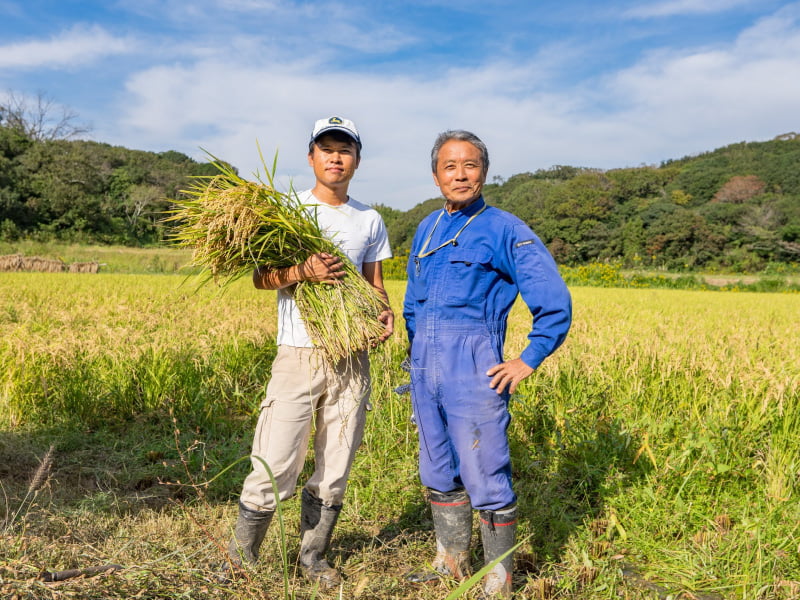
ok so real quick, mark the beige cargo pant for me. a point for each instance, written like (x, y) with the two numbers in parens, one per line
(304, 393)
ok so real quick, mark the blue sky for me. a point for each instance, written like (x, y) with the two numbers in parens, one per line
(572, 82)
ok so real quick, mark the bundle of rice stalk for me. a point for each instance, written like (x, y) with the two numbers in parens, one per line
(233, 226)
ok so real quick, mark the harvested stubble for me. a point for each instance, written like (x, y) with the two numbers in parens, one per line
(11, 262)
(233, 226)
(84, 267)
(18, 262)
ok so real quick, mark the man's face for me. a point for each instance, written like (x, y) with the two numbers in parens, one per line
(334, 162)
(459, 173)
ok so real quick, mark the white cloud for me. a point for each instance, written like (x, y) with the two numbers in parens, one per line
(251, 5)
(671, 103)
(776, 34)
(713, 96)
(670, 8)
(224, 97)
(225, 109)
(295, 27)
(76, 46)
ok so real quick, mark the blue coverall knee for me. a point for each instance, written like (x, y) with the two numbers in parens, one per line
(462, 422)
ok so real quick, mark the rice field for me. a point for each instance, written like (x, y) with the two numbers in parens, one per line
(656, 455)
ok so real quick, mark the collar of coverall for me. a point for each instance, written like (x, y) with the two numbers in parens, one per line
(468, 210)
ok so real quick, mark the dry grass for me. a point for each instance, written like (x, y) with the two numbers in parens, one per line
(655, 454)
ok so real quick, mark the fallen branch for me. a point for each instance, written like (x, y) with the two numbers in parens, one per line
(50, 576)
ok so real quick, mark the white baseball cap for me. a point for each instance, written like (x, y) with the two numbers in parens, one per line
(336, 124)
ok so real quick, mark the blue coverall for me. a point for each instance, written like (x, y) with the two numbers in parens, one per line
(456, 308)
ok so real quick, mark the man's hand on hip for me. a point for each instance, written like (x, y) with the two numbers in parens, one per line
(508, 375)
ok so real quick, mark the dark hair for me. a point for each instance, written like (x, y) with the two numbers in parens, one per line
(463, 136)
(339, 136)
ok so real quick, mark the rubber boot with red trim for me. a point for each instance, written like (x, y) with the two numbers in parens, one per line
(452, 521)
(498, 532)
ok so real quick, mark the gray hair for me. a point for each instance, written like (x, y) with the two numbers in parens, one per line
(462, 136)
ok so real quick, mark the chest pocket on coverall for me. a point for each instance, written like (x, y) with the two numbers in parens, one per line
(467, 278)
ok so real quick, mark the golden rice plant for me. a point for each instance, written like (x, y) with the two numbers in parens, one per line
(233, 226)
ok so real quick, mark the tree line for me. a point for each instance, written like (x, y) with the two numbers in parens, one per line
(736, 207)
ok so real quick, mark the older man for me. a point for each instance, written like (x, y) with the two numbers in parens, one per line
(468, 262)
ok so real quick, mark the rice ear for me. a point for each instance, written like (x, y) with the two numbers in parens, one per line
(233, 226)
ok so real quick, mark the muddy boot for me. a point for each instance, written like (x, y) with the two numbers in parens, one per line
(248, 533)
(452, 521)
(316, 527)
(498, 532)
(251, 527)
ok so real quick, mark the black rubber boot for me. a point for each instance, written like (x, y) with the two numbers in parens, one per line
(248, 533)
(498, 532)
(316, 527)
(452, 521)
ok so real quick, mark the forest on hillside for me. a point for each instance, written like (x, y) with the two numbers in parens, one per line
(736, 207)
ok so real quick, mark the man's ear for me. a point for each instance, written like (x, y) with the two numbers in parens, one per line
(436, 180)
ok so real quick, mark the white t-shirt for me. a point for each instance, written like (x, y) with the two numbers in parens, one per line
(358, 231)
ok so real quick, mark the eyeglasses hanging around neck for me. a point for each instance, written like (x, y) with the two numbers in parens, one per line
(453, 240)
(424, 252)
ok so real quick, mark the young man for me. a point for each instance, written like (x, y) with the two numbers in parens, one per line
(304, 388)
(468, 262)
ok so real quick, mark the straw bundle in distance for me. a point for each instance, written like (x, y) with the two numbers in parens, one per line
(233, 226)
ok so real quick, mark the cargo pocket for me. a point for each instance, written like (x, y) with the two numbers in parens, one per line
(420, 288)
(467, 275)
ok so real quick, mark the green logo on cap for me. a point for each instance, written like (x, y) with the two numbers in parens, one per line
(335, 121)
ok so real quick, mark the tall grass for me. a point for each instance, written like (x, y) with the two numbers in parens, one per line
(656, 454)
(111, 347)
(670, 412)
